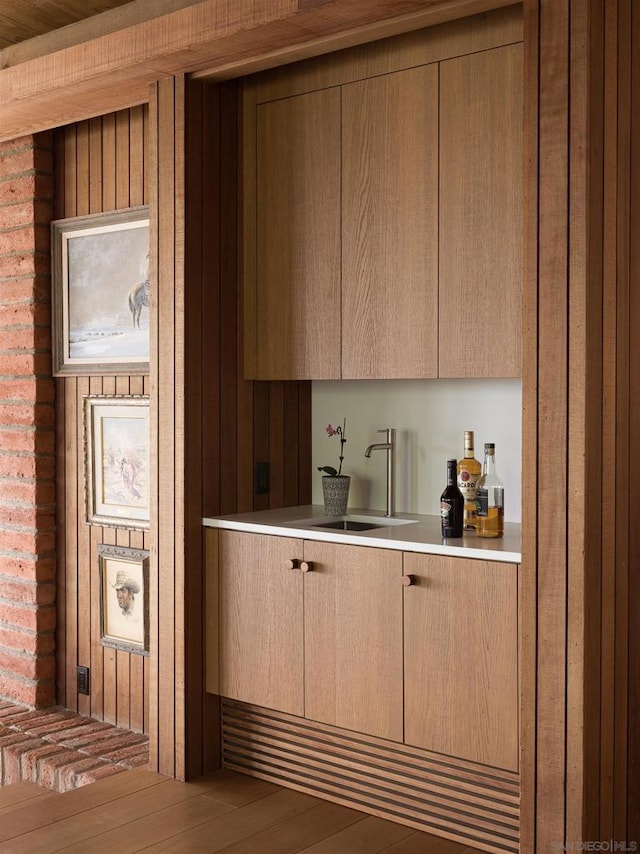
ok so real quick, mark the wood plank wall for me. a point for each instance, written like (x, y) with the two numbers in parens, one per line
(209, 425)
(100, 165)
(581, 540)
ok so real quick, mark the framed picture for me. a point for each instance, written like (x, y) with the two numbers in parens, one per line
(124, 598)
(100, 293)
(117, 461)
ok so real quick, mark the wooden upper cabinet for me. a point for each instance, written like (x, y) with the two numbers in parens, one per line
(481, 214)
(261, 621)
(390, 225)
(353, 638)
(297, 238)
(461, 658)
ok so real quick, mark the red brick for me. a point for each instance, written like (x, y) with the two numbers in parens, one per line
(21, 466)
(32, 542)
(70, 776)
(40, 569)
(23, 158)
(30, 760)
(26, 337)
(137, 761)
(51, 723)
(25, 516)
(17, 189)
(25, 364)
(29, 287)
(11, 764)
(28, 440)
(18, 591)
(34, 617)
(28, 313)
(27, 640)
(24, 238)
(124, 754)
(49, 766)
(29, 211)
(82, 733)
(103, 746)
(27, 415)
(28, 666)
(9, 145)
(27, 389)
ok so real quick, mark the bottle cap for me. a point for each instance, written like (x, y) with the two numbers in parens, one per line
(489, 446)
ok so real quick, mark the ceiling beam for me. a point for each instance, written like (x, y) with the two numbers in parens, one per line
(221, 37)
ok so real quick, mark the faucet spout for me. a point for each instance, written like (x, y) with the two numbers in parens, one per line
(390, 447)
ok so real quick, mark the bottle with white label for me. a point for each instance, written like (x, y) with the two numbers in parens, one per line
(468, 473)
(489, 498)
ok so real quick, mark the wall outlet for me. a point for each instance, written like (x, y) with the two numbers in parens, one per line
(83, 680)
(262, 478)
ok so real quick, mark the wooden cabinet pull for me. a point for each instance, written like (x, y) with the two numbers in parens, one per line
(306, 566)
(408, 580)
(292, 563)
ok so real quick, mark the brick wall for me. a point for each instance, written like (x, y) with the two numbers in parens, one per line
(27, 486)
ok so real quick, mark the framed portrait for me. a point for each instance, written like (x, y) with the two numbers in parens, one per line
(101, 293)
(124, 598)
(117, 460)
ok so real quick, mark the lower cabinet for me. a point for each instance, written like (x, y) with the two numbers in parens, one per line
(461, 658)
(406, 647)
(353, 638)
(261, 621)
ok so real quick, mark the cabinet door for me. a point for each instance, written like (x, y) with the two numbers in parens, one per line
(461, 657)
(353, 638)
(481, 214)
(261, 621)
(297, 263)
(390, 226)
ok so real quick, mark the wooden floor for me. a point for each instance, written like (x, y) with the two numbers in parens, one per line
(142, 811)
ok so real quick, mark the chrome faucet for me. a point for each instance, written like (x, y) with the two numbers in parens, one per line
(390, 447)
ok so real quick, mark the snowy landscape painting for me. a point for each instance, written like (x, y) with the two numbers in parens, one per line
(101, 293)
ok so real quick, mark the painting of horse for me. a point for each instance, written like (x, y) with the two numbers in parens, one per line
(100, 293)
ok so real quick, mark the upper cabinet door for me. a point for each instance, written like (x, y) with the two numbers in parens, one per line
(481, 214)
(297, 263)
(390, 226)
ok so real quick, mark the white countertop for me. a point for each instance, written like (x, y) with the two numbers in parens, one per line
(419, 534)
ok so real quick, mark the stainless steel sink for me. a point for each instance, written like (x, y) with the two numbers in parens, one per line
(347, 525)
(351, 522)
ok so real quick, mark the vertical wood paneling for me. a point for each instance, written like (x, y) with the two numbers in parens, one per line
(629, 326)
(93, 174)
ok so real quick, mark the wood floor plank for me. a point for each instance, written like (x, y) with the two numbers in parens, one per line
(292, 835)
(369, 836)
(153, 828)
(232, 788)
(425, 843)
(84, 826)
(26, 819)
(17, 795)
(234, 827)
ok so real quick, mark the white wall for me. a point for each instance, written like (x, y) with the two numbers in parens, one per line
(430, 417)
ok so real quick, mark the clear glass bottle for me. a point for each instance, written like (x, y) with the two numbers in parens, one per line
(489, 498)
(468, 473)
(451, 505)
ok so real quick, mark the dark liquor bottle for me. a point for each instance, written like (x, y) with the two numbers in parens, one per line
(452, 504)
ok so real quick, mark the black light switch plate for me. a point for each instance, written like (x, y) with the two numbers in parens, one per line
(262, 478)
(83, 680)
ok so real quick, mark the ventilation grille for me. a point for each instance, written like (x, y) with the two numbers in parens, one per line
(453, 798)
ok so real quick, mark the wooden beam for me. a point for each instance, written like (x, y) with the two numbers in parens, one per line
(225, 37)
